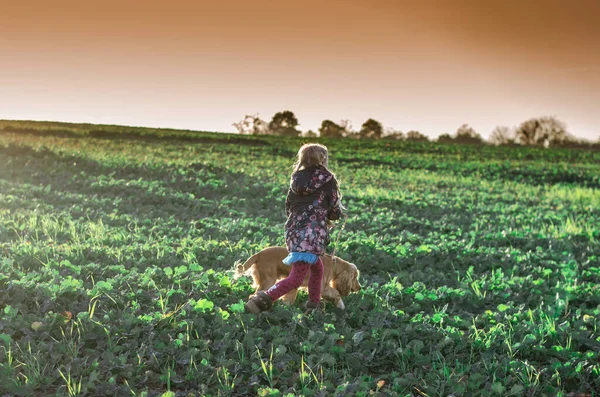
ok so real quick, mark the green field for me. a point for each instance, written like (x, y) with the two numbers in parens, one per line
(480, 268)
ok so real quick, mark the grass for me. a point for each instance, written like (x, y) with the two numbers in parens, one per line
(118, 244)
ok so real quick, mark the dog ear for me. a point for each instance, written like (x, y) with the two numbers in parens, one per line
(356, 286)
(343, 282)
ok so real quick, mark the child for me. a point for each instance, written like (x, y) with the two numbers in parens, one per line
(313, 200)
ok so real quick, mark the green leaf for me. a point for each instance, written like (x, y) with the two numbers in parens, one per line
(432, 296)
(224, 314)
(10, 311)
(415, 345)
(328, 359)
(424, 248)
(502, 307)
(268, 392)
(103, 286)
(419, 296)
(529, 338)
(225, 282)
(194, 267)
(498, 388)
(204, 305)
(237, 307)
(6, 338)
(179, 270)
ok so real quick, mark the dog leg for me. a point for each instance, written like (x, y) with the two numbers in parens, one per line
(290, 297)
(332, 295)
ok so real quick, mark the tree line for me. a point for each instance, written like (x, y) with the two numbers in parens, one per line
(546, 131)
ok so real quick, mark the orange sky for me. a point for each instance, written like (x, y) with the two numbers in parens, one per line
(419, 64)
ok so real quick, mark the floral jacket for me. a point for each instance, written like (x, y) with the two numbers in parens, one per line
(312, 200)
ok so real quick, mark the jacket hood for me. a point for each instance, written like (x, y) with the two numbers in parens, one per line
(309, 180)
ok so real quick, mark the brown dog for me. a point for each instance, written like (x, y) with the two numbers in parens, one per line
(339, 277)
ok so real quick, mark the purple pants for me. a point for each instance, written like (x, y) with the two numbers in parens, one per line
(295, 279)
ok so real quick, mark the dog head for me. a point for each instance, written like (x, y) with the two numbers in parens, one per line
(346, 277)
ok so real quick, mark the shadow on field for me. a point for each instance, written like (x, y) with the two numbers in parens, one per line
(215, 201)
(142, 190)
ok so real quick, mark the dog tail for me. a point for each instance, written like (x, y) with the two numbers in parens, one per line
(243, 268)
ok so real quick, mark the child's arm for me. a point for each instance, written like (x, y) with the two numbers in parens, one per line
(335, 208)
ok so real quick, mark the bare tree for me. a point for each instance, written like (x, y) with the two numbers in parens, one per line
(542, 131)
(347, 128)
(391, 133)
(467, 134)
(252, 125)
(502, 135)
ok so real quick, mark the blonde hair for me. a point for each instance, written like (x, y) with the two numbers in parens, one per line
(312, 155)
(315, 155)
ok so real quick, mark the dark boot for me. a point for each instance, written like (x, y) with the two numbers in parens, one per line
(312, 306)
(259, 303)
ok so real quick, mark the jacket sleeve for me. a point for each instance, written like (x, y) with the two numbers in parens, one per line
(335, 210)
(288, 203)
